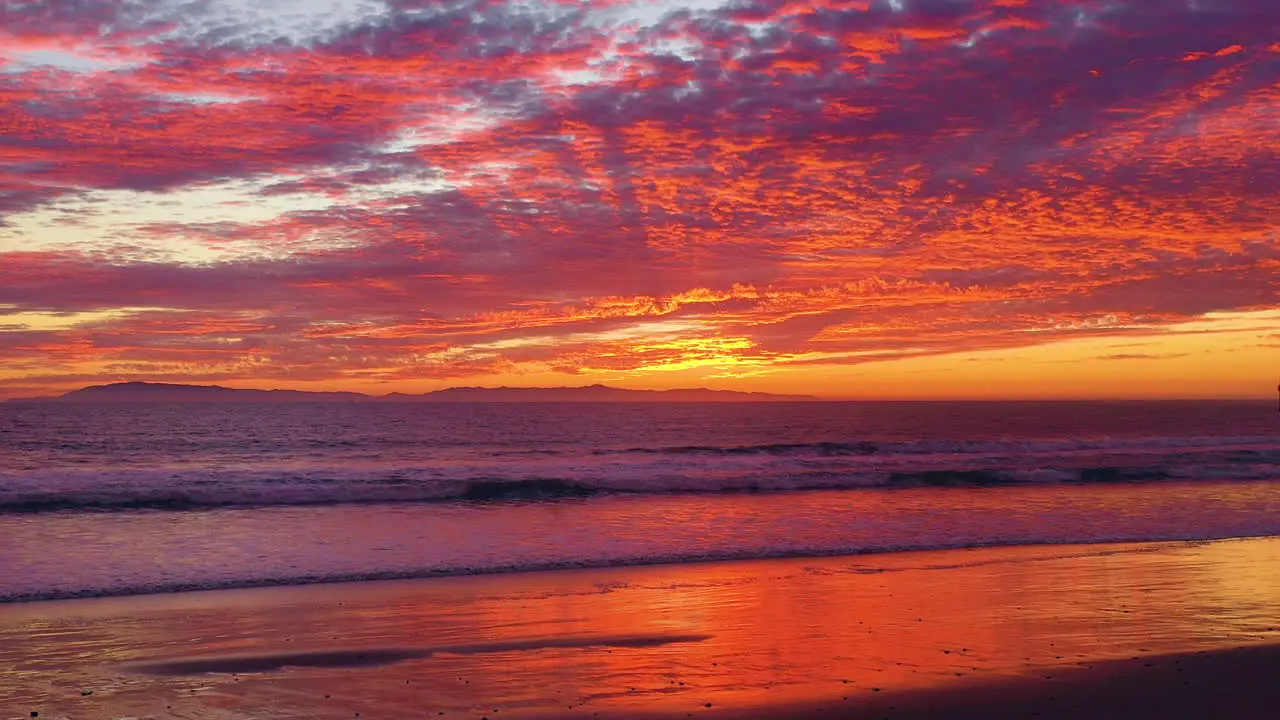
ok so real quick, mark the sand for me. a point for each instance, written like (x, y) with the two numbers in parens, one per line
(1148, 630)
(1239, 683)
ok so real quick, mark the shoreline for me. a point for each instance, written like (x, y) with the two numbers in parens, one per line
(1122, 545)
(932, 633)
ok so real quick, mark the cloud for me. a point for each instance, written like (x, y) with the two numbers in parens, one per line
(476, 188)
(1141, 356)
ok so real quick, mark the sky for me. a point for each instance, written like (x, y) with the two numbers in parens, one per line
(847, 198)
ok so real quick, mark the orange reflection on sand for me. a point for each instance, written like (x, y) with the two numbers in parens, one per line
(664, 639)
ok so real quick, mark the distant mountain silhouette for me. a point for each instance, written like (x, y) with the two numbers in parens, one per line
(130, 392)
(168, 392)
(590, 393)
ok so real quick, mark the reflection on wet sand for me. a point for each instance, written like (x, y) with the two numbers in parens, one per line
(664, 640)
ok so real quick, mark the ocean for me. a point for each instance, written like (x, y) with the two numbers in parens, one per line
(123, 499)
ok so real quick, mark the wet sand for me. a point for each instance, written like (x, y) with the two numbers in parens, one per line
(1149, 630)
(1238, 684)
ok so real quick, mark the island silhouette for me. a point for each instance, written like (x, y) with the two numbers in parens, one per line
(132, 392)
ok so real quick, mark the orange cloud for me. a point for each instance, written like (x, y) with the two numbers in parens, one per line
(490, 190)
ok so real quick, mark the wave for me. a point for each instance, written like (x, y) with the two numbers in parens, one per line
(507, 474)
(1266, 445)
(819, 448)
(675, 558)
(203, 490)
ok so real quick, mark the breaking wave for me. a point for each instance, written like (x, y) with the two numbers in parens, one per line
(502, 476)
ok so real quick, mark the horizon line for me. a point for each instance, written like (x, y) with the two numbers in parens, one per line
(794, 397)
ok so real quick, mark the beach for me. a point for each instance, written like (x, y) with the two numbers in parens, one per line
(1182, 629)
(636, 359)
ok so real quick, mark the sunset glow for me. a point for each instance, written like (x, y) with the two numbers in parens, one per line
(845, 198)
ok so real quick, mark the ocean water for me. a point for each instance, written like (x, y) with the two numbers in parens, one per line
(124, 499)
